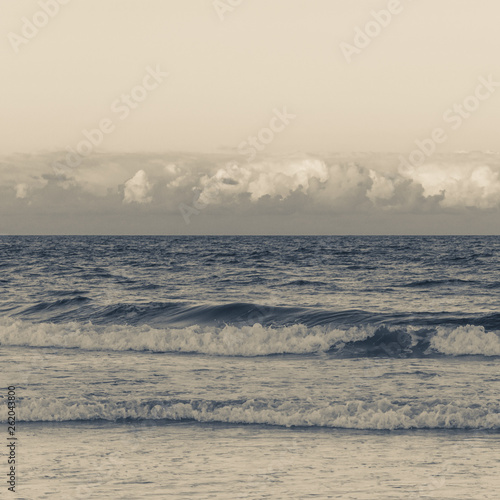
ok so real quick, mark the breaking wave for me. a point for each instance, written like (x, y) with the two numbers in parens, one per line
(356, 414)
(256, 340)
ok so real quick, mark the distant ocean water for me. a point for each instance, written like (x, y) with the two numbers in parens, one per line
(323, 298)
(353, 333)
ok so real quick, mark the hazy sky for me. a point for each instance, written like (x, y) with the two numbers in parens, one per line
(301, 77)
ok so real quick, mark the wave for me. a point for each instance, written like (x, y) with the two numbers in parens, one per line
(356, 414)
(61, 303)
(256, 340)
(64, 293)
(174, 314)
(466, 340)
(433, 283)
(303, 283)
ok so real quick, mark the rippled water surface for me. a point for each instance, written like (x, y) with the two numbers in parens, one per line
(342, 346)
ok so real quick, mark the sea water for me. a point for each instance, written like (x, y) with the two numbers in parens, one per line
(252, 367)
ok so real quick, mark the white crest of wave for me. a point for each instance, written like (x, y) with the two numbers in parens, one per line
(466, 340)
(255, 340)
(356, 414)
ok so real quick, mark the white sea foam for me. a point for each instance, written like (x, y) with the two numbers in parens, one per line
(466, 340)
(382, 414)
(255, 340)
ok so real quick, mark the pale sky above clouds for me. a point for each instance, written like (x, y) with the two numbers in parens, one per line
(227, 81)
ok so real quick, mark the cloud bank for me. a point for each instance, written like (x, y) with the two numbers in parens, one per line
(206, 187)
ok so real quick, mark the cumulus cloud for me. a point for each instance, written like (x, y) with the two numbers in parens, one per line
(382, 187)
(21, 190)
(137, 189)
(461, 186)
(273, 179)
(223, 185)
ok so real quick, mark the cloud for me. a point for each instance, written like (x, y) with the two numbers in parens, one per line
(352, 186)
(382, 187)
(21, 190)
(461, 186)
(271, 178)
(137, 189)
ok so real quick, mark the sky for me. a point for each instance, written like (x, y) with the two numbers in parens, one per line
(249, 116)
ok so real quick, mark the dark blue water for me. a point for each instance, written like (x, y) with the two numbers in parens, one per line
(352, 332)
(401, 290)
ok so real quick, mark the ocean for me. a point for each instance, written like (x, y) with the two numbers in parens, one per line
(252, 366)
